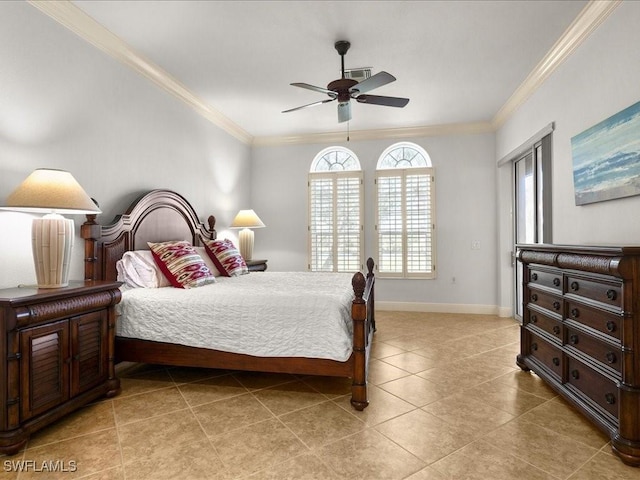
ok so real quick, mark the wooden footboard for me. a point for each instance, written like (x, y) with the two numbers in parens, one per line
(162, 215)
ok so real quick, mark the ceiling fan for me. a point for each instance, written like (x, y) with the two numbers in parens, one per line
(345, 89)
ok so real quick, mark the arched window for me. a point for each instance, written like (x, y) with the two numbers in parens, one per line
(405, 230)
(335, 211)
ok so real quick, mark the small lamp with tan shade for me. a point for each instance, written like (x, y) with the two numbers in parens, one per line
(54, 192)
(246, 220)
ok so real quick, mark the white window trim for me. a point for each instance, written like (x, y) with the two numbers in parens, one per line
(403, 172)
(334, 176)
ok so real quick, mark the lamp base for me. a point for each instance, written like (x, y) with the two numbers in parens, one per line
(51, 242)
(245, 237)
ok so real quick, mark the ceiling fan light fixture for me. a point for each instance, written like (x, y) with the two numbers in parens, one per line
(344, 111)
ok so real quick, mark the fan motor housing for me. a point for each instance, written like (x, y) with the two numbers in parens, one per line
(341, 87)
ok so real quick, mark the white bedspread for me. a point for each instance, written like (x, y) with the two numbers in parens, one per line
(267, 314)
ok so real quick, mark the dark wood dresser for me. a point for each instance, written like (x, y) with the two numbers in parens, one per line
(581, 333)
(56, 354)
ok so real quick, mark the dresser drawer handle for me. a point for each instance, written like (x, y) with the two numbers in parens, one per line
(611, 326)
(575, 374)
(574, 286)
(611, 357)
(556, 361)
(534, 346)
(556, 329)
(534, 297)
(534, 276)
(573, 339)
(575, 313)
(534, 319)
(610, 398)
(556, 305)
(556, 281)
(611, 294)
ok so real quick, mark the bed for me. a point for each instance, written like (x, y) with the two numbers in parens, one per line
(164, 215)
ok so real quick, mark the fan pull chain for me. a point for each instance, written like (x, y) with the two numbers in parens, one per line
(348, 131)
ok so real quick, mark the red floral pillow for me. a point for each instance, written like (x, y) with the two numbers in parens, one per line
(226, 257)
(180, 263)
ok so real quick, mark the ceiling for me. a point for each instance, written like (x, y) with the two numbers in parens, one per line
(458, 61)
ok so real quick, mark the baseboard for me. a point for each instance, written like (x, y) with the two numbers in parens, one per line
(444, 308)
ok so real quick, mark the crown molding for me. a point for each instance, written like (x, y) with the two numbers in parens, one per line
(76, 20)
(358, 135)
(591, 16)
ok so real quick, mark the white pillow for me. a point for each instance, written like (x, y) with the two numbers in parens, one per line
(138, 269)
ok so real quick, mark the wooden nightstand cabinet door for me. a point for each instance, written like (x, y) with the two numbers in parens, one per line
(44, 368)
(89, 353)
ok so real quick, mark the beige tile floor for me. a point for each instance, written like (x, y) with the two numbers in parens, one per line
(446, 402)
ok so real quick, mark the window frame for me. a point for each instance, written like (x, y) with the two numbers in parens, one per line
(403, 173)
(335, 176)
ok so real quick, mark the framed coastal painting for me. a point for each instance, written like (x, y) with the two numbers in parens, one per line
(606, 158)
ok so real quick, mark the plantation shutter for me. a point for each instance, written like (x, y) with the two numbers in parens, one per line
(335, 225)
(348, 228)
(418, 222)
(321, 224)
(405, 222)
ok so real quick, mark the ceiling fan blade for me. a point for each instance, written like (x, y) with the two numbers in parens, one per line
(309, 105)
(386, 101)
(315, 89)
(374, 81)
(344, 112)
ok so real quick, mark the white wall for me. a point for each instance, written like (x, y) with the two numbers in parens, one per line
(598, 80)
(65, 104)
(465, 211)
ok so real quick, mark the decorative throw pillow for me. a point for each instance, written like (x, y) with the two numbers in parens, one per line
(202, 251)
(226, 257)
(181, 264)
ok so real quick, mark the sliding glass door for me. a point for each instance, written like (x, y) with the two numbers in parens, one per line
(532, 204)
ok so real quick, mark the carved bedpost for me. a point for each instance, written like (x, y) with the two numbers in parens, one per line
(90, 231)
(212, 226)
(359, 316)
(371, 300)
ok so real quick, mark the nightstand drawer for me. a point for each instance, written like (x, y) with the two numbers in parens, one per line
(257, 265)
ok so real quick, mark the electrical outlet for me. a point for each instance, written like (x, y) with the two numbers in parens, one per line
(475, 245)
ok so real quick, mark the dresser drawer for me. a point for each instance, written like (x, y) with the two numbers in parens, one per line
(596, 349)
(604, 292)
(546, 300)
(594, 385)
(546, 278)
(547, 354)
(545, 322)
(602, 321)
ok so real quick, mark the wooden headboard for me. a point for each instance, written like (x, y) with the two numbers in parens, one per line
(156, 216)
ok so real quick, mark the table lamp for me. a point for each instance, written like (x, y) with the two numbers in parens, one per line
(54, 192)
(246, 220)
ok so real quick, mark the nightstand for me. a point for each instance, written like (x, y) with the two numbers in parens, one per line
(56, 354)
(257, 265)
